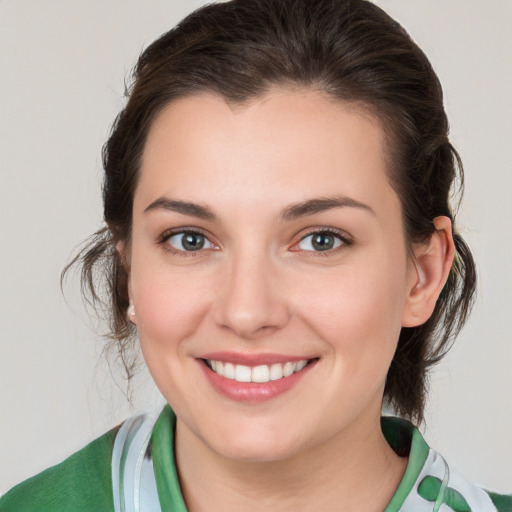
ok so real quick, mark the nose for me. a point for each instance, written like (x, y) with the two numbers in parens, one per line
(250, 301)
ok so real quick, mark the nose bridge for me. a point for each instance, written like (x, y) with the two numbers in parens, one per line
(249, 302)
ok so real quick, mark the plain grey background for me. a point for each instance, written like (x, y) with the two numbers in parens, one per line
(62, 68)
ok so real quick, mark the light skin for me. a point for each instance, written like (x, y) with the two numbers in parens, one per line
(259, 182)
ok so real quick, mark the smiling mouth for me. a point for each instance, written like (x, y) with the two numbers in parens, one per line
(257, 374)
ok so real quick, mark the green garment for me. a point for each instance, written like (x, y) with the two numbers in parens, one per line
(83, 482)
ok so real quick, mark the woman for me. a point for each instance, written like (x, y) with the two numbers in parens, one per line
(280, 236)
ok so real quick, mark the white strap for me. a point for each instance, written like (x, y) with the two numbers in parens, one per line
(133, 478)
(440, 498)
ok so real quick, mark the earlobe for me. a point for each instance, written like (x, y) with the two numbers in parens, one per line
(432, 263)
(130, 314)
(122, 251)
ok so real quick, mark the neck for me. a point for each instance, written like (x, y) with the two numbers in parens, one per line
(354, 471)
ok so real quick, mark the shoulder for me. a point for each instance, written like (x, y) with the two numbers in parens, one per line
(502, 502)
(82, 482)
(429, 481)
(457, 493)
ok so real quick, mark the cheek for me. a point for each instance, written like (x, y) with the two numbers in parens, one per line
(169, 306)
(358, 312)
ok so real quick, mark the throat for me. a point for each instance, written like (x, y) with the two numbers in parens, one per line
(327, 478)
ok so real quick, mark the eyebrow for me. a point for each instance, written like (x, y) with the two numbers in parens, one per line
(291, 212)
(183, 207)
(321, 204)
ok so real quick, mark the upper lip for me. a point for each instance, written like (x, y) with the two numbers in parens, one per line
(253, 359)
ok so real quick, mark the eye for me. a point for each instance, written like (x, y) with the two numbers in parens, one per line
(189, 241)
(321, 241)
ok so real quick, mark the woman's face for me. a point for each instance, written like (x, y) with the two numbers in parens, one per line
(266, 237)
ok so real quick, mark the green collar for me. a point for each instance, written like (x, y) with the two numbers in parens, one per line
(406, 440)
(162, 450)
(401, 435)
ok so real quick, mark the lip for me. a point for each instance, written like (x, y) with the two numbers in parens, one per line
(253, 392)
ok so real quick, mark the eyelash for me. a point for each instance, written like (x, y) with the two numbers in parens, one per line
(164, 239)
(345, 240)
(340, 235)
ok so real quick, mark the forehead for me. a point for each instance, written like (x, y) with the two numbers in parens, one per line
(281, 147)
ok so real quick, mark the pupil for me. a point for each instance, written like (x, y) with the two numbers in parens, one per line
(192, 242)
(323, 242)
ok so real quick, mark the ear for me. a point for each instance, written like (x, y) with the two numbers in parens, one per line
(124, 253)
(430, 268)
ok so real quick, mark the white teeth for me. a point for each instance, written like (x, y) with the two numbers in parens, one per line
(242, 373)
(276, 372)
(288, 369)
(300, 365)
(229, 371)
(260, 374)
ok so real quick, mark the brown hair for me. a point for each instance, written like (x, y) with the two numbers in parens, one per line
(354, 52)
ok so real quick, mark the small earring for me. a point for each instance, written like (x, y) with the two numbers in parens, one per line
(130, 313)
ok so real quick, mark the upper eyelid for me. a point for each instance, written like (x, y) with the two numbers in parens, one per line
(345, 239)
(183, 230)
(341, 234)
(162, 241)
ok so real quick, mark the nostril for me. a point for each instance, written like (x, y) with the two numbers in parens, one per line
(250, 331)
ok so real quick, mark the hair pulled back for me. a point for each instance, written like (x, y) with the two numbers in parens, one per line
(349, 49)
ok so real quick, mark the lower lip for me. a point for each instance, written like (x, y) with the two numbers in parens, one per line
(253, 392)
